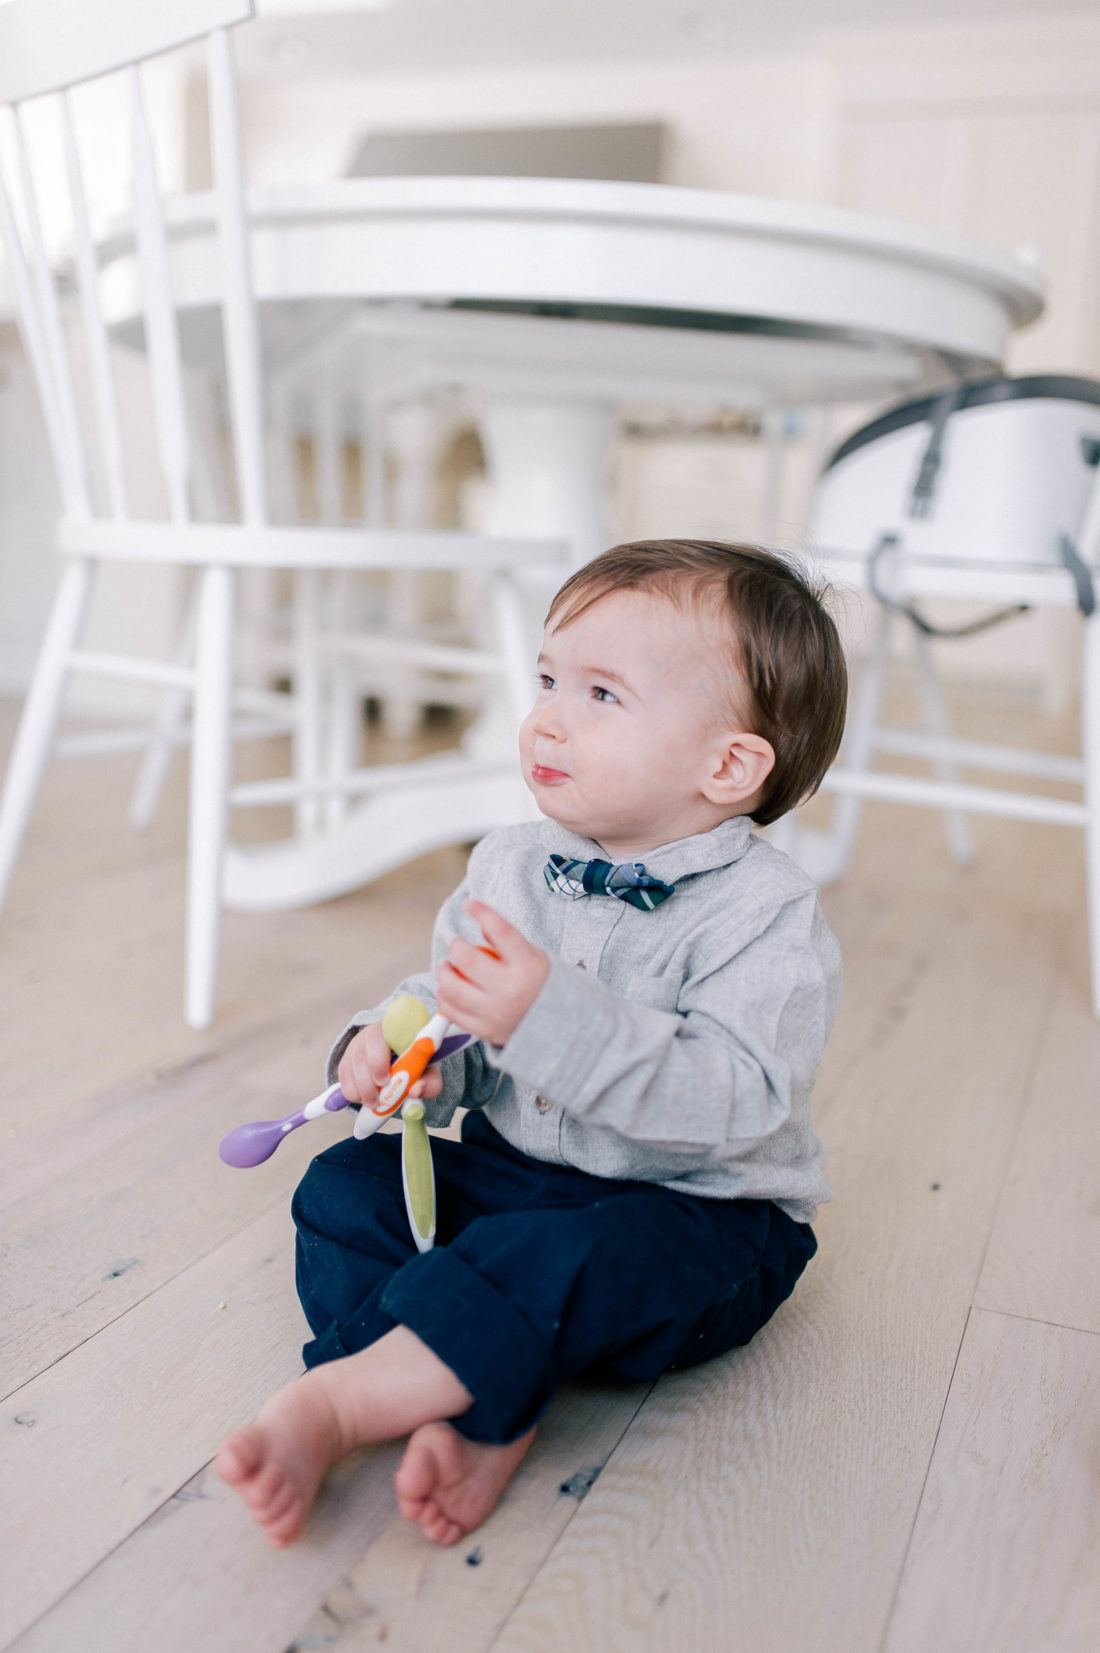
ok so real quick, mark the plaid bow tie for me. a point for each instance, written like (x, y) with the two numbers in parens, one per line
(627, 881)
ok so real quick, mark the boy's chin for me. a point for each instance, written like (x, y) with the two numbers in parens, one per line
(545, 802)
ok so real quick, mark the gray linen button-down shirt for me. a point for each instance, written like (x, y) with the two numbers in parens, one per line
(677, 1045)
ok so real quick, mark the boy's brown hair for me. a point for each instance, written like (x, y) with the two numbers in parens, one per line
(785, 644)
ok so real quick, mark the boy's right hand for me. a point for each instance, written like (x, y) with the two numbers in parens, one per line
(364, 1068)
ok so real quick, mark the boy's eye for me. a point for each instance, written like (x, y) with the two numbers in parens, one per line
(546, 681)
(603, 694)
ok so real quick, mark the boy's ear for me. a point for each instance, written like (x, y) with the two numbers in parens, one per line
(744, 763)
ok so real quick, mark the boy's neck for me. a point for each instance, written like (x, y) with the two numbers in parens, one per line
(620, 853)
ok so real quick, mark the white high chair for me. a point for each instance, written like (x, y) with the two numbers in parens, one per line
(990, 493)
(48, 47)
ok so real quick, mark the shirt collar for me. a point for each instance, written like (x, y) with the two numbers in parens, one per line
(702, 852)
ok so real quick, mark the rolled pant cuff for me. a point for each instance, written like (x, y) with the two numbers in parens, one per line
(479, 1333)
(327, 1345)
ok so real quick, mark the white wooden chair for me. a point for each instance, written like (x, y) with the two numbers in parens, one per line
(47, 47)
(989, 493)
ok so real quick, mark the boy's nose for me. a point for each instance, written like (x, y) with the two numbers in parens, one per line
(547, 722)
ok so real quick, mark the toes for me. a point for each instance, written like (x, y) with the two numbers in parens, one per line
(433, 1521)
(264, 1490)
(240, 1456)
(447, 1485)
(284, 1529)
(438, 1526)
(270, 1494)
(418, 1474)
(411, 1508)
(281, 1503)
(277, 1507)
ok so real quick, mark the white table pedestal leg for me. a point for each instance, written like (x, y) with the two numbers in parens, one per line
(412, 438)
(547, 465)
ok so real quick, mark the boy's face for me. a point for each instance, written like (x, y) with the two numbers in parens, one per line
(632, 740)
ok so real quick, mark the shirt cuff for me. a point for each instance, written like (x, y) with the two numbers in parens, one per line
(438, 1110)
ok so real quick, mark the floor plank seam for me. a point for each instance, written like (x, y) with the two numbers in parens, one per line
(904, 1562)
(169, 1280)
(227, 1045)
(101, 1561)
(521, 1598)
(1037, 1320)
(1042, 1024)
(1055, 981)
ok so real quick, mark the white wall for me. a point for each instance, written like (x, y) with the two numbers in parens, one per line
(993, 133)
(754, 125)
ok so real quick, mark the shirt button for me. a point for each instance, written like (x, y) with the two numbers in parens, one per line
(542, 1104)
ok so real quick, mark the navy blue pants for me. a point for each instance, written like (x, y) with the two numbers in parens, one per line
(539, 1272)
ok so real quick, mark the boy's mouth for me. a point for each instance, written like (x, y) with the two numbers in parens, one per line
(547, 777)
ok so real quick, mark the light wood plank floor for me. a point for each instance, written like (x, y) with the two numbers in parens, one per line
(906, 1459)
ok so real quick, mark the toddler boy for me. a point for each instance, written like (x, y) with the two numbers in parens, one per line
(637, 1173)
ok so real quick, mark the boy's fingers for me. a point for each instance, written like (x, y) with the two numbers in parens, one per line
(494, 926)
(466, 964)
(350, 1080)
(429, 1084)
(364, 1064)
(379, 1056)
(374, 1054)
(457, 989)
(455, 1009)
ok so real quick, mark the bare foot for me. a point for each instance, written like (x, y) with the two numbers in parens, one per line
(382, 1392)
(447, 1485)
(276, 1463)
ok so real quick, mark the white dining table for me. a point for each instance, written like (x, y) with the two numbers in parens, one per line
(555, 302)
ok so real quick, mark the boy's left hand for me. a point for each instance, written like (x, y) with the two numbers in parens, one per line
(487, 996)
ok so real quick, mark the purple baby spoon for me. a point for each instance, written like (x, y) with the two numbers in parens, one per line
(251, 1144)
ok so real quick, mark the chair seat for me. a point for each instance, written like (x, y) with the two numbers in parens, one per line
(954, 577)
(988, 493)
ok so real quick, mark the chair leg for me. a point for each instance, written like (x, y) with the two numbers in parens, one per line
(168, 725)
(403, 701)
(515, 640)
(857, 757)
(1090, 742)
(937, 724)
(39, 719)
(344, 720)
(505, 629)
(211, 759)
(412, 430)
(308, 695)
